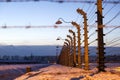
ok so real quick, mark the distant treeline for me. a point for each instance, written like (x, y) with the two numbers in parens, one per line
(27, 59)
(48, 59)
(108, 58)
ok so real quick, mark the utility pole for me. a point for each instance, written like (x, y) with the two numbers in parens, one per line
(74, 50)
(86, 54)
(79, 44)
(71, 50)
(68, 51)
(101, 63)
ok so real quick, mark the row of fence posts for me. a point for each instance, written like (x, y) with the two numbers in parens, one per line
(68, 55)
(68, 51)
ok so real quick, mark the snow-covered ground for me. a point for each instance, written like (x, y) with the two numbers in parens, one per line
(59, 72)
(10, 72)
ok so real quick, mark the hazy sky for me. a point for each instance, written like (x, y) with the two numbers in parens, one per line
(36, 14)
(45, 13)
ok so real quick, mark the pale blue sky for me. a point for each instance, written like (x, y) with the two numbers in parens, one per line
(36, 14)
(44, 14)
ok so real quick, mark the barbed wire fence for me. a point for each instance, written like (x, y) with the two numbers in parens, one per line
(111, 22)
